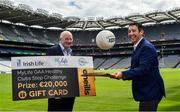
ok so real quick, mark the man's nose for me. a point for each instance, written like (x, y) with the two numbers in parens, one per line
(69, 40)
(130, 33)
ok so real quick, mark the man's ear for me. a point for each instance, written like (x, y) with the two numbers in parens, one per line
(59, 39)
(142, 32)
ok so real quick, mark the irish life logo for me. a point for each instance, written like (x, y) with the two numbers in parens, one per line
(21, 63)
(18, 62)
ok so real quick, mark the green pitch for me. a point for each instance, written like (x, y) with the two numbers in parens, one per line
(112, 95)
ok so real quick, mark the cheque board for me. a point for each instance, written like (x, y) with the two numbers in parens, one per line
(52, 76)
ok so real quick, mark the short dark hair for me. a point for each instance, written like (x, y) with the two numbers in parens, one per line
(139, 26)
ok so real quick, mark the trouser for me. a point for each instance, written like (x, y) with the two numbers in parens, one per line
(149, 105)
(62, 104)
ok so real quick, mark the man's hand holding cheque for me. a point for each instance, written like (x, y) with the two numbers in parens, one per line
(117, 75)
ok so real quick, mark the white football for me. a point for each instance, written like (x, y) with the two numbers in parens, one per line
(105, 39)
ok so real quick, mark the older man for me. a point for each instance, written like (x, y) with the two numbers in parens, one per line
(62, 49)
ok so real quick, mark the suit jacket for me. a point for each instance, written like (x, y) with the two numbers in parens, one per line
(54, 51)
(59, 104)
(147, 84)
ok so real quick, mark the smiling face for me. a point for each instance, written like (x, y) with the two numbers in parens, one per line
(135, 33)
(66, 39)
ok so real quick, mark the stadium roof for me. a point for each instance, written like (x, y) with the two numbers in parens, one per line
(26, 15)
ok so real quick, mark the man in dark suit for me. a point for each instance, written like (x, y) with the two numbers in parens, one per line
(62, 49)
(147, 84)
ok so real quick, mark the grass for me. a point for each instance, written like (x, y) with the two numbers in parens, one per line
(111, 95)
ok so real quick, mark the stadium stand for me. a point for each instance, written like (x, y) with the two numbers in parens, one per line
(98, 62)
(109, 62)
(39, 35)
(8, 34)
(169, 61)
(164, 31)
(52, 35)
(124, 63)
(5, 65)
(178, 65)
(24, 33)
(25, 40)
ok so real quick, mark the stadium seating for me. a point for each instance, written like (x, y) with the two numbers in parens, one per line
(112, 63)
(84, 42)
(98, 62)
(163, 31)
(108, 63)
(124, 63)
(169, 61)
(52, 35)
(178, 65)
(35, 35)
(5, 65)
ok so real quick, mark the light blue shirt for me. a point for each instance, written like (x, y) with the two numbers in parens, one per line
(66, 52)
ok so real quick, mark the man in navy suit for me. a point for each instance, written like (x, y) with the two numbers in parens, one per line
(62, 49)
(147, 84)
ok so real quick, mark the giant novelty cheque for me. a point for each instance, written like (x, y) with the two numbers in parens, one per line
(52, 76)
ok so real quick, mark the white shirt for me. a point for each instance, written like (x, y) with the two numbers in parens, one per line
(135, 45)
(66, 52)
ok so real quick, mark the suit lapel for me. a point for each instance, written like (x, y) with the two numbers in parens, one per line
(135, 54)
(59, 50)
(139, 45)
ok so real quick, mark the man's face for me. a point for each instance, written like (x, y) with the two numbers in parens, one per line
(67, 40)
(134, 34)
